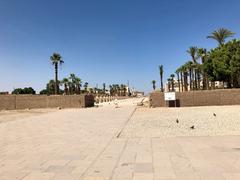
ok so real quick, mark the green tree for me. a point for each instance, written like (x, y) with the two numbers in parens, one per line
(56, 60)
(104, 88)
(203, 54)
(181, 72)
(178, 72)
(44, 91)
(78, 84)
(169, 84)
(154, 84)
(124, 90)
(26, 90)
(193, 51)
(85, 86)
(51, 87)
(72, 82)
(185, 71)
(221, 35)
(223, 64)
(65, 82)
(189, 67)
(161, 76)
(172, 81)
(111, 89)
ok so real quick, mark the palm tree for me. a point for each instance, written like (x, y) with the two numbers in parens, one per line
(154, 84)
(193, 50)
(65, 82)
(185, 71)
(172, 81)
(161, 76)
(169, 84)
(124, 90)
(51, 86)
(72, 83)
(221, 35)
(111, 89)
(56, 60)
(185, 74)
(114, 89)
(117, 89)
(70, 87)
(188, 67)
(181, 70)
(104, 88)
(202, 53)
(78, 83)
(85, 86)
(178, 78)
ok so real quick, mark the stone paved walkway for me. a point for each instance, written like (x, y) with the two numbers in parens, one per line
(85, 144)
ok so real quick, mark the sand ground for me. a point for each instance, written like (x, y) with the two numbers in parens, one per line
(6, 116)
(162, 122)
(124, 143)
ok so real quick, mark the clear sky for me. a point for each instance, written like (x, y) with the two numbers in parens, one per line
(109, 41)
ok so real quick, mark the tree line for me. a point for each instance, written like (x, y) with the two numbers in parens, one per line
(221, 63)
(120, 90)
(72, 84)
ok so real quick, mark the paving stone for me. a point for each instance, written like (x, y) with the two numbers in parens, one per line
(82, 144)
(59, 169)
(143, 168)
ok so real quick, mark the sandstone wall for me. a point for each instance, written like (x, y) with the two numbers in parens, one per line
(11, 102)
(198, 98)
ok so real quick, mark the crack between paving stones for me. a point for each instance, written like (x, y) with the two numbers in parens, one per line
(126, 123)
(118, 134)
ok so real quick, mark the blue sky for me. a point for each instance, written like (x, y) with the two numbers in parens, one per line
(109, 41)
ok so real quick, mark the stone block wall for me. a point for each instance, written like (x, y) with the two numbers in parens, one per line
(11, 102)
(7, 102)
(198, 98)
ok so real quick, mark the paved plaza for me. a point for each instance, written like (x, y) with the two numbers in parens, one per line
(108, 143)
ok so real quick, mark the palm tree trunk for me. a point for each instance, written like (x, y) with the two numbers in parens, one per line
(190, 79)
(56, 78)
(161, 82)
(198, 79)
(173, 85)
(195, 79)
(204, 81)
(179, 88)
(207, 82)
(181, 74)
(185, 81)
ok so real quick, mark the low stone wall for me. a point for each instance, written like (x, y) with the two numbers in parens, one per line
(198, 98)
(7, 102)
(11, 102)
